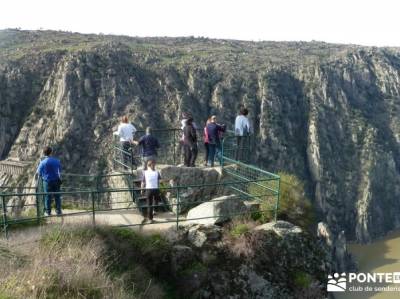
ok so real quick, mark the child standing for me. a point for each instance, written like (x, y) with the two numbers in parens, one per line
(151, 182)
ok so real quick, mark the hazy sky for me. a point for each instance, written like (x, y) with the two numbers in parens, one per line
(366, 22)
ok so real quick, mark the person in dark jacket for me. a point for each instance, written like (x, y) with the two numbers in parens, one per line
(149, 145)
(214, 132)
(190, 143)
(49, 170)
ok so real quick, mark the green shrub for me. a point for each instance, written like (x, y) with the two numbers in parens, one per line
(239, 230)
(294, 206)
(302, 279)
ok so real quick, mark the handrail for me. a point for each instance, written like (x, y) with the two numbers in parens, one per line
(90, 188)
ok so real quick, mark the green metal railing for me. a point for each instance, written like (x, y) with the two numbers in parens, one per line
(171, 149)
(91, 195)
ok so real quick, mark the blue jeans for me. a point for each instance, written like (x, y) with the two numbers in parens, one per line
(52, 186)
(212, 148)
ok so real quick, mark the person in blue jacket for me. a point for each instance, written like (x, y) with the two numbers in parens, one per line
(49, 170)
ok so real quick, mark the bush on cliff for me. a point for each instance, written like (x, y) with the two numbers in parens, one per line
(294, 206)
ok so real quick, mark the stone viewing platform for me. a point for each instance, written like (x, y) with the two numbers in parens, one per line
(13, 167)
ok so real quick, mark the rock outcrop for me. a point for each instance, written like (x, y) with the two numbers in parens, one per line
(217, 210)
(262, 263)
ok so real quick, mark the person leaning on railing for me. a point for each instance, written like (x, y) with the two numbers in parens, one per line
(214, 142)
(126, 131)
(242, 129)
(206, 142)
(49, 170)
(149, 145)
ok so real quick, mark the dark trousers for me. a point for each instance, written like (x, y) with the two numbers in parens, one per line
(190, 155)
(239, 147)
(152, 196)
(212, 149)
(52, 186)
(206, 146)
(126, 154)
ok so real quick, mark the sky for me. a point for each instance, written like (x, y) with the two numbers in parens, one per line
(364, 22)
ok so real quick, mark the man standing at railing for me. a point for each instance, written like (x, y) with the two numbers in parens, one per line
(126, 131)
(242, 130)
(149, 145)
(49, 170)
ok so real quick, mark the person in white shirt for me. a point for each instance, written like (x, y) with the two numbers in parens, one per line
(126, 131)
(242, 129)
(151, 183)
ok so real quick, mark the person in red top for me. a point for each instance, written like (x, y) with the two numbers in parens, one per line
(206, 141)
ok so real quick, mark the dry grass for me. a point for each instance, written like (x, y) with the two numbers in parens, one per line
(235, 235)
(71, 263)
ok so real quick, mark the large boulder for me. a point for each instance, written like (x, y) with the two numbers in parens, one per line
(281, 228)
(197, 178)
(199, 235)
(217, 210)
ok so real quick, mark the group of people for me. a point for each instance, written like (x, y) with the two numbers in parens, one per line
(49, 168)
(212, 135)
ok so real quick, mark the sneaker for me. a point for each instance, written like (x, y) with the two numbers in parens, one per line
(47, 214)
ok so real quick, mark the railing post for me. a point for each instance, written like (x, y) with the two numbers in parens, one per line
(177, 208)
(3, 204)
(277, 199)
(38, 190)
(93, 210)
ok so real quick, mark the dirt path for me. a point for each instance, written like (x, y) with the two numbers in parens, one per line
(162, 221)
(25, 239)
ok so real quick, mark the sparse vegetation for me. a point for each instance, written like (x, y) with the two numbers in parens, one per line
(294, 206)
(82, 263)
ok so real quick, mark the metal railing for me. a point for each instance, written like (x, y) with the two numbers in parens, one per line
(90, 197)
(171, 149)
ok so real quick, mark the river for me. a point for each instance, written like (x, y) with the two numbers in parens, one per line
(380, 256)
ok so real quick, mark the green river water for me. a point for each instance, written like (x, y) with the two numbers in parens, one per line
(380, 256)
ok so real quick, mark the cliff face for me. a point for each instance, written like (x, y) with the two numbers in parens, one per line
(328, 113)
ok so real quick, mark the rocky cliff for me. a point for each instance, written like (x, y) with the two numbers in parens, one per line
(328, 113)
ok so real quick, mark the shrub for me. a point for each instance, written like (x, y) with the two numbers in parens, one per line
(294, 206)
(239, 229)
(302, 279)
